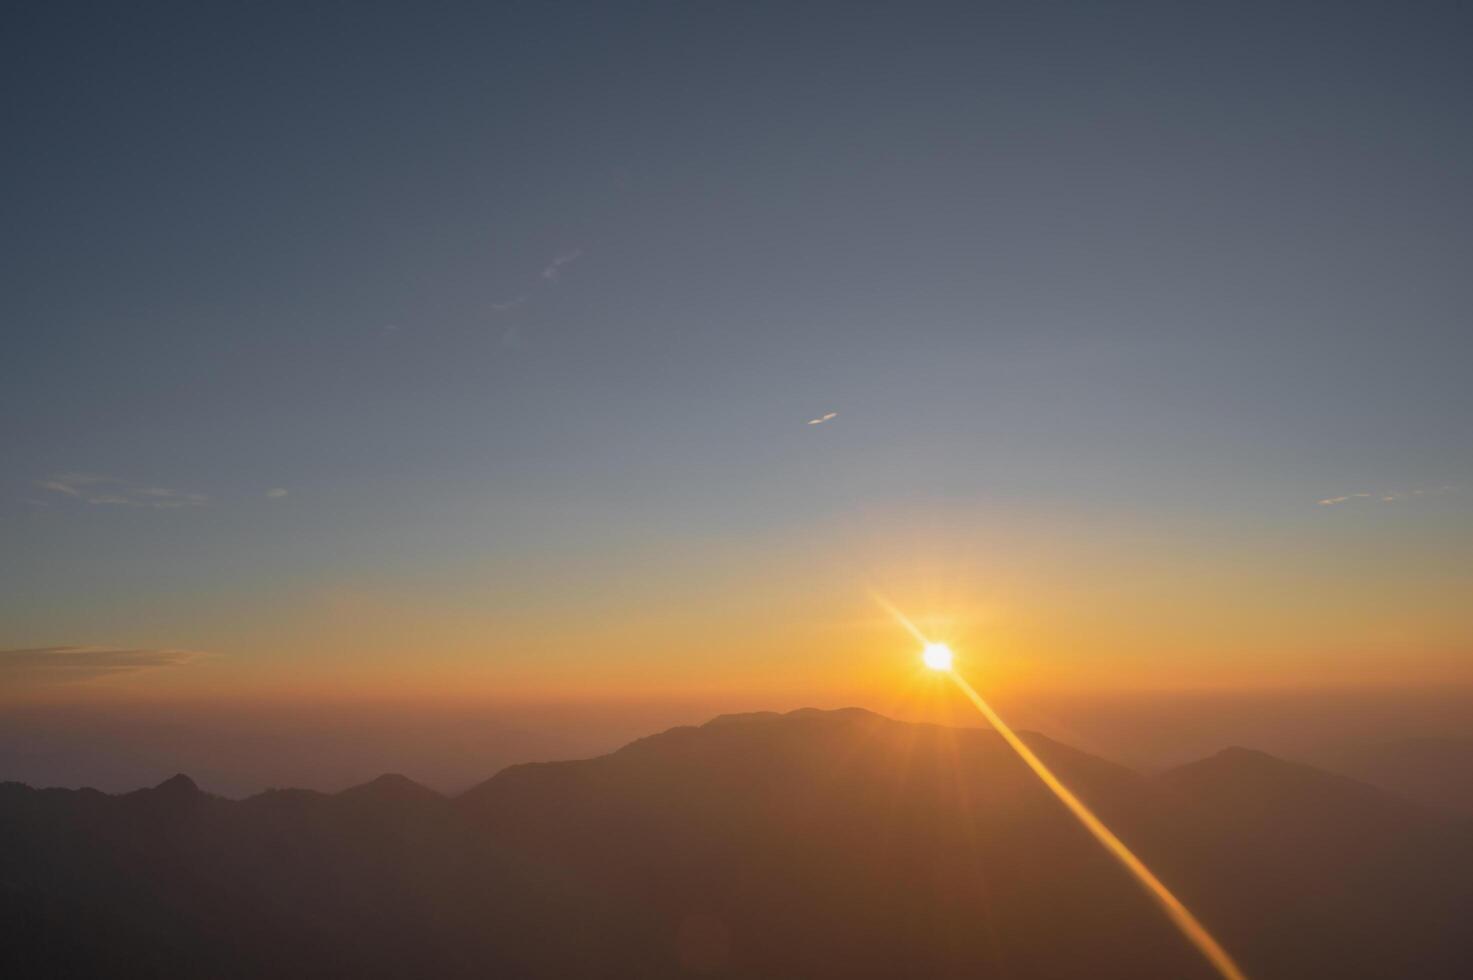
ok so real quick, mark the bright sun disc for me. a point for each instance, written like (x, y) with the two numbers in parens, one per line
(937, 656)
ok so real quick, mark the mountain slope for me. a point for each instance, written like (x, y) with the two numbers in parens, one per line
(812, 844)
(1436, 772)
(171, 882)
(844, 844)
(935, 851)
(394, 790)
(1319, 872)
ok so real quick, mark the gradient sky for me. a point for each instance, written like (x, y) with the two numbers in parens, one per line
(470, 349)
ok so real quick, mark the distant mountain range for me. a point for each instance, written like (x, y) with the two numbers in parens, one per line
(1437, 772)
(811, 844)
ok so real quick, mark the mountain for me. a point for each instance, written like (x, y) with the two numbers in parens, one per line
(1319, 871)
(845, 844)
(809, 844)
(290, 883)
(394, 790)
(1436, 772)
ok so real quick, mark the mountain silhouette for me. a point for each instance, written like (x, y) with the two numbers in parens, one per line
(807, 844)
(178, 785)
(1436, 772)
(393, 789)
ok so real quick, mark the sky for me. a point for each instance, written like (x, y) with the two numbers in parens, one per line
(540, 353)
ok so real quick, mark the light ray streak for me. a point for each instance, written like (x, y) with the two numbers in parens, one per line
(1179, 914)
(902, 619)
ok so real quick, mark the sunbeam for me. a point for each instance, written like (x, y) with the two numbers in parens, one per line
(1188, 923)
(938, 657)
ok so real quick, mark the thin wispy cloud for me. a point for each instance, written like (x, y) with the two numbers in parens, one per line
(554, 269)
(1385, 496)
(276, 493)
(512, 336)
(1336, 501)
(110, 491)
(58, 485)
(826, 417)
(551, 273)
(71, 664)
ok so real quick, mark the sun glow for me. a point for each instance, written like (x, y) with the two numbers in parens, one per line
(937, 656)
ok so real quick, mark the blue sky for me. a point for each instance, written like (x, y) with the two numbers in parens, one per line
(295, 291)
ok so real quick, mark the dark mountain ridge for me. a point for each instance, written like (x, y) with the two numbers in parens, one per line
(807, 844)
(1434, 771)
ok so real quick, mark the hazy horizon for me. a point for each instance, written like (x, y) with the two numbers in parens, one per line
(563, 359)
(240, 748)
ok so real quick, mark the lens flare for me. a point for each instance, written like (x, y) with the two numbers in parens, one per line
(937, 656)
(1193, 930)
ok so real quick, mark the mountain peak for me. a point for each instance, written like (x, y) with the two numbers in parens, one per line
(1243, 754)
(178, 785)
(1250, 785)
(1237, 763)
(391, 786)
(798, 714)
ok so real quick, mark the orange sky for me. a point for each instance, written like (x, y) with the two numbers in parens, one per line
(1073, 609)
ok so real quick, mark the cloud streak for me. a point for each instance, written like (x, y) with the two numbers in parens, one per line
(1385, 497)
(1337, 501)
(72, 664)
(551, 273)
(826, 417)
(109, 491)
(510, 304)
(554, 269)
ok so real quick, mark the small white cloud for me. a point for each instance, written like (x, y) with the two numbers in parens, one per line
(829, 416)
(60, 487)
(1386, 496)
(106, 490)
(554, 269)
(551, 272)
(276, 493)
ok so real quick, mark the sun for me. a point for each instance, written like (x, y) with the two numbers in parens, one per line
(937, 656)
